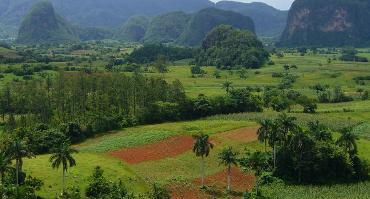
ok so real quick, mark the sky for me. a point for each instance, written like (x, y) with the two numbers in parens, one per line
(280, 4)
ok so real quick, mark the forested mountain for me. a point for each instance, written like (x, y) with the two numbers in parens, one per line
(113, 13)
(43, 25)
(166, 27)
(207, 19)
(133, 30)
(97, 13)
(269, 21)
(328, 23)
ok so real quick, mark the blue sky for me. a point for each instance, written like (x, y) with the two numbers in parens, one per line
(280, 4)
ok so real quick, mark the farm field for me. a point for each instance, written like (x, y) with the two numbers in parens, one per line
(162, 153)
(239, 133)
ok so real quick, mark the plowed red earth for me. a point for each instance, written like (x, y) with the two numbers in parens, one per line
(240, 182)
(242, 135)
(170, 147)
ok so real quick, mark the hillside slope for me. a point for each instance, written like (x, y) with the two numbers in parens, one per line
(166, 27)
(133, 29)
(269, 21)
(328, 23)
(205, 20)
(43, 25)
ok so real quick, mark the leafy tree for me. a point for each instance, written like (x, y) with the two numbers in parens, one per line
(62, 156)
(202, 147)
(98, 186)
(228, 157)
(257, 162)
(161, 64)
(227, 86)
(5, 162)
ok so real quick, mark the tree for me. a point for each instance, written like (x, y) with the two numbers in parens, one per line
(5, 162)
(62, 156)
(257, 162)
(347, 141)
(161, 64)
(227, 86)
(265, 131)
(18, 151)
(228, 157)
(202, 147)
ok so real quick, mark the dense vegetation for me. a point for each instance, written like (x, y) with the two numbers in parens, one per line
(166, 28)
(328, 23)
(227, 47)
(43, 25)
(207, 19)
(269, 21)
(133, 30)
(150, 53)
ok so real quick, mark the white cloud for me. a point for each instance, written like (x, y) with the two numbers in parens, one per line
(280, 4)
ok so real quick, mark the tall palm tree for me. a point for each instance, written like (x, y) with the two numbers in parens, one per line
(286, 124)
(298, 143)
(5, 162)
(202, 147)
(264, 131)
(348, 141)
(62, 156)
(228, 158)
(18, 151)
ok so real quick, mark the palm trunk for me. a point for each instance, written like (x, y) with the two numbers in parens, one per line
(63, 178)
(274, 156)
(17, 171)
(202, 171)
(228, 178)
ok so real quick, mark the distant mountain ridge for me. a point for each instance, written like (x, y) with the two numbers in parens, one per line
(328, 23)
(269, 21)
(113, 13)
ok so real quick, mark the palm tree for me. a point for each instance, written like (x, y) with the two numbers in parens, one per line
(298, 143)
(202, 147)
(228, 158)
(264, 131)
(5, 162)
(18, 151)
(286, 124)
(348, 141)
(227, 86)
(62, 155)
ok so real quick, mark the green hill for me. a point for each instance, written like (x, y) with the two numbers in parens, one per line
(328, 23)
(133, 29)
(43, 25)
(205, 20)
(166, 28)
(269, 21)
(227, 47)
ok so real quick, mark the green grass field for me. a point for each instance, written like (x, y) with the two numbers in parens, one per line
(312, 69)
(40, 167)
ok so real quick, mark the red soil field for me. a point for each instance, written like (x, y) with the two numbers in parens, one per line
(243, 135)
(217, 183)
(170, 147)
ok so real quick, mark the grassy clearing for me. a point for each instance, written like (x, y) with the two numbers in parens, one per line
(347, 191)
(115, 169)
(150, 133)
